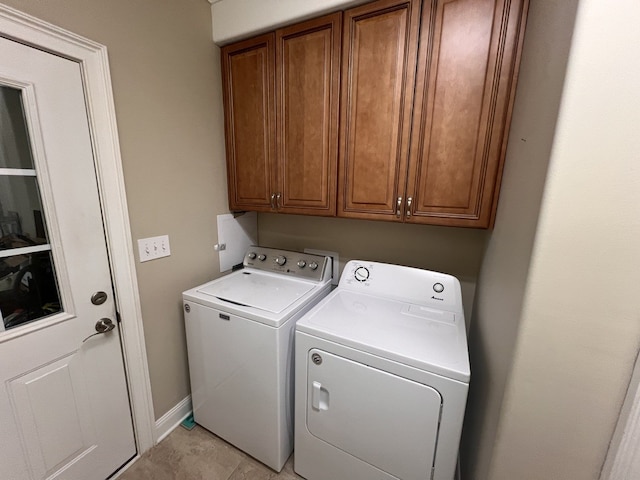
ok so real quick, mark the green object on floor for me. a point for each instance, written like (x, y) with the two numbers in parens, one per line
(189, 422)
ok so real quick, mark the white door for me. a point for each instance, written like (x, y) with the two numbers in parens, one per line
(64, 410)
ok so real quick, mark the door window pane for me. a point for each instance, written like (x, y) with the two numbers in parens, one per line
(28, 285)
(28, 289)
(21, 215)
(15, 151)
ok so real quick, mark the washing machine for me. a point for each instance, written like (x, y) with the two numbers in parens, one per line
(240, 331)
(382, 374)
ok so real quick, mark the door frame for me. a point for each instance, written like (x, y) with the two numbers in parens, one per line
(96, 77)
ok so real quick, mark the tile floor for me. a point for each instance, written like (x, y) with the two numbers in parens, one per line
(199, 455)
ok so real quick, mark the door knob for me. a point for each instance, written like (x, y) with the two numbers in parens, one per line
(103, 325)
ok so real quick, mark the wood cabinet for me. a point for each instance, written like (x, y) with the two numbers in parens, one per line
(380, 43)
(467, 60)
(249, 104)
(422, 97)
(281, 112)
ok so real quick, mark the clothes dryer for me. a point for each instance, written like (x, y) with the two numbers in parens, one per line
(382, 374)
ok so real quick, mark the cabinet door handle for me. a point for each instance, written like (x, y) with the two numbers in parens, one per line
(409, 200)
(398, 207)
(278, 200)
(273, 201)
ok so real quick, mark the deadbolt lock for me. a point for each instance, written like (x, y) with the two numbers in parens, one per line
(98, 298)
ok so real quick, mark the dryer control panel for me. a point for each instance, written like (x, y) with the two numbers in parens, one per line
(413, 285)
(288, 262)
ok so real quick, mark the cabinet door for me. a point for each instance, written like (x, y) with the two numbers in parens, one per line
(378, 74)
(307, 92)
(248, 87)
(467, 67)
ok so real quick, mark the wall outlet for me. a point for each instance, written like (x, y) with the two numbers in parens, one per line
(153, 247)
(335, 262)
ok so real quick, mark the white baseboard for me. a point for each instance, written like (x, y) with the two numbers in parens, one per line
(173, 418)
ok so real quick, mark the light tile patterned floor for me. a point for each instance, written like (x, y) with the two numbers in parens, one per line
(199, 455)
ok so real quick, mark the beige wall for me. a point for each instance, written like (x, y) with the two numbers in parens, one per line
(502, 281)
(167, 93)
(456, 251)
(557, 338)
(580, 322)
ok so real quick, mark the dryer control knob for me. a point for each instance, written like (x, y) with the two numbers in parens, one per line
(262, 257)
(301, 263)
(313, 265)
(280, 260)
(251, 256)
(361, 274)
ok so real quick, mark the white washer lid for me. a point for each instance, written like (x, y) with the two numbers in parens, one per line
(429, 339)
(263, 291)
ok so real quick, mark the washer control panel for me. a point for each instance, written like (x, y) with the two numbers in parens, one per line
(414, 285)
(304, 265)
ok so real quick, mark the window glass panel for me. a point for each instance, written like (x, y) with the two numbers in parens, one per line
(28, 285)
(15, 150)
(28, 289)
(21, 219)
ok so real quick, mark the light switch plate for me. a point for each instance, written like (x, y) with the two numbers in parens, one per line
(153, 247)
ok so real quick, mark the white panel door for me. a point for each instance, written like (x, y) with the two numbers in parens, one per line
(384, 420)
(64, 408)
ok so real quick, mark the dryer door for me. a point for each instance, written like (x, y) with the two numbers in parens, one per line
(385, 420)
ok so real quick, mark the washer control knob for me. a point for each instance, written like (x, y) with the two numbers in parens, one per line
(313, 265)
(438, 287)
(262, 257)
(251, 255)
(301, 263)
(280, 260)
(361, 274)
